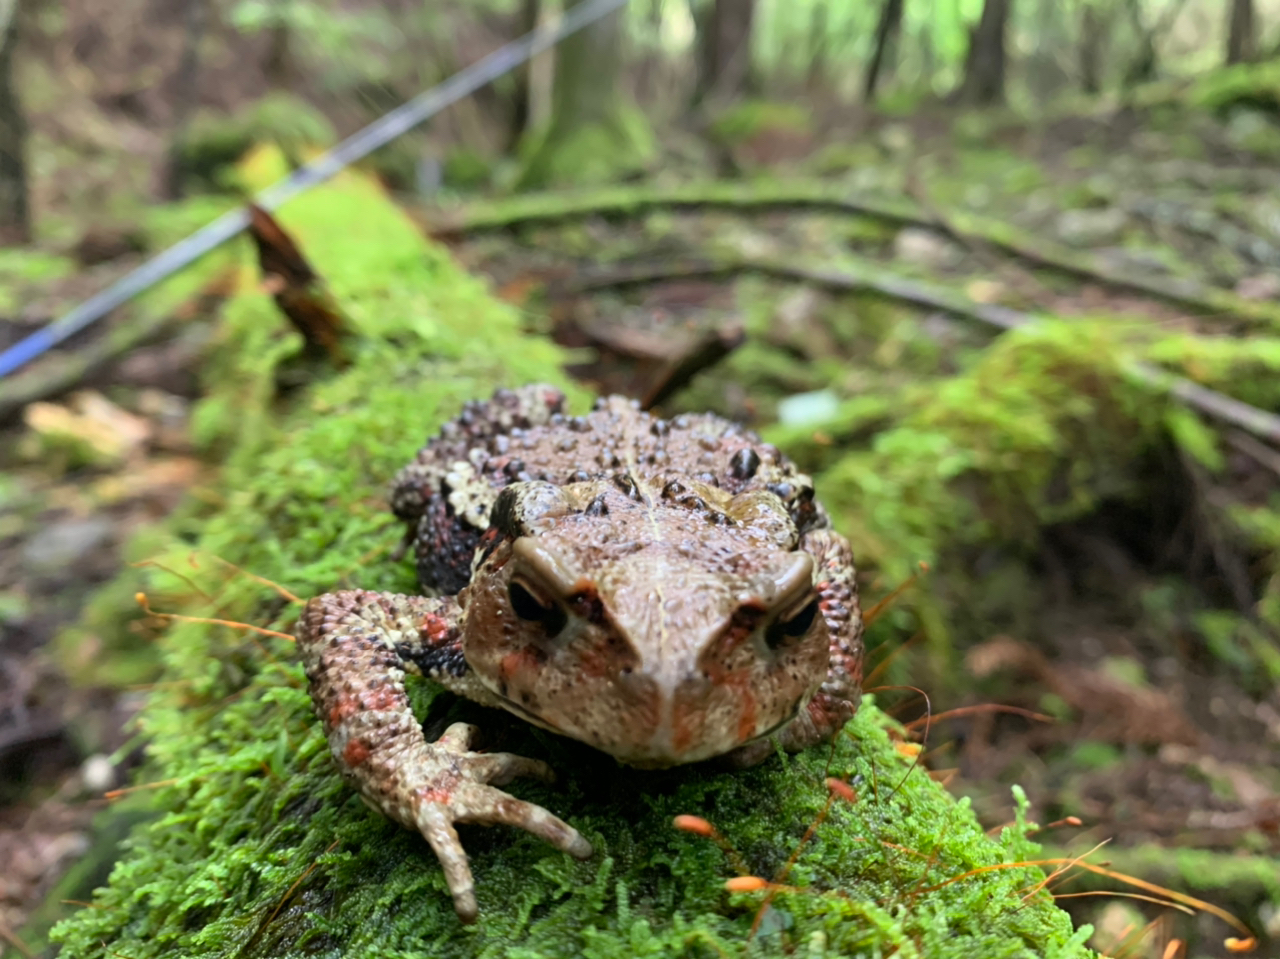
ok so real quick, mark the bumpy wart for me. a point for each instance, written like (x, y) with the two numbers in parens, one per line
(667, 591)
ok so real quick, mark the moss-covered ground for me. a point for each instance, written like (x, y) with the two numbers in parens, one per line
(255, 847)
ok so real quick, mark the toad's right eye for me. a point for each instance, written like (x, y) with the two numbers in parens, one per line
(532, 608)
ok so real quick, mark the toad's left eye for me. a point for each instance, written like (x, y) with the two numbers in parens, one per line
(791, 627)
(529, 606)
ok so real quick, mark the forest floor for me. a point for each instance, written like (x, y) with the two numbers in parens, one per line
(1119, 623)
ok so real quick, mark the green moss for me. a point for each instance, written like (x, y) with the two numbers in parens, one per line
(1254, 86)
(216, 141)
(466, 169)
(589, 155)
(259, 849)
(23, 268)
(753, 118)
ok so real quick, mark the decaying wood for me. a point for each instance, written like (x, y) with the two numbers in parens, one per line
(897, 211)
(855, 274)
(297, 289)
(712, 347)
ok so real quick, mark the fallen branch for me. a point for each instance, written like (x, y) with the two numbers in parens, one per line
(751, 197)
(68, 369)
(856, 274)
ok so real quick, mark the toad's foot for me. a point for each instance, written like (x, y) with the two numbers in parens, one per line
(356, 646)
(450, 785)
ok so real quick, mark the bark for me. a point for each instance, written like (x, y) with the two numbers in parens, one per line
(1092, 42)
(887, 31)
(278, 62)
(984, 68)
(186, 84)
(587, 68)
(650, 68)
(1241, 32)
(521, 110)
(1145, 63)
(724, 51)
(817, 47)
(594, 135)
(15, 211)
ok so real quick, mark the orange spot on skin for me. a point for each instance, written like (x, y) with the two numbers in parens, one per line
(521, 661)
(434, 627)
(356, 753)
(594, 663)
(441, 796)
(682, 721)
(747, 717)
(380, 699)
(344, 708)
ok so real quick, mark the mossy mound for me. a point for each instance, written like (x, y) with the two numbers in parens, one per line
(215, 142)
(589, 155)
(258, 849)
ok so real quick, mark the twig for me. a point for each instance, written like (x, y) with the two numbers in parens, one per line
(13, 939)
(899, 211)
(856, 274)
(1262, 454)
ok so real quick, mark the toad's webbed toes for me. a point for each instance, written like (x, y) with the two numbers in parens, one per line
(460, 791)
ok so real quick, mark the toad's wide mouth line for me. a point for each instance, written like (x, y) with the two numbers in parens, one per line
(518, 710)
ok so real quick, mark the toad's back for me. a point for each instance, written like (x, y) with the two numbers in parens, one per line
(445, 495)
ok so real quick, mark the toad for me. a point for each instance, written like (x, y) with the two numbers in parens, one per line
(665, 590)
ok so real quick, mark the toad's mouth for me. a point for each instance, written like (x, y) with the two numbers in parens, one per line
(795, 711)
(666, 759)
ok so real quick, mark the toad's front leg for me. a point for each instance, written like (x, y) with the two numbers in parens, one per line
(356, 647)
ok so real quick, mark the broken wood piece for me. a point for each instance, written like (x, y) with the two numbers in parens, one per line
(298, 290)
(712, 347)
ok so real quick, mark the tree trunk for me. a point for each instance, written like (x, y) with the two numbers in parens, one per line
(278, 62)
(650, 68)
(886, 38)
(186, 84)
(724, 47)
(521, 112)
(587, 67)
(1144, 65)
(1092, 41)
(15, 213)
(594, 135)
(1241, 39)
(984, 66)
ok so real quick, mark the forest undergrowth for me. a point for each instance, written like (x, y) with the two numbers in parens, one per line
(1097, 553)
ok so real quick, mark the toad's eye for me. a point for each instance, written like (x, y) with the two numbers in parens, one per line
(791, 627)
(532, 608)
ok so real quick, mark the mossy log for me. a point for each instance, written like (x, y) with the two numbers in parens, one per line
(762, 195)
(257, 848)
